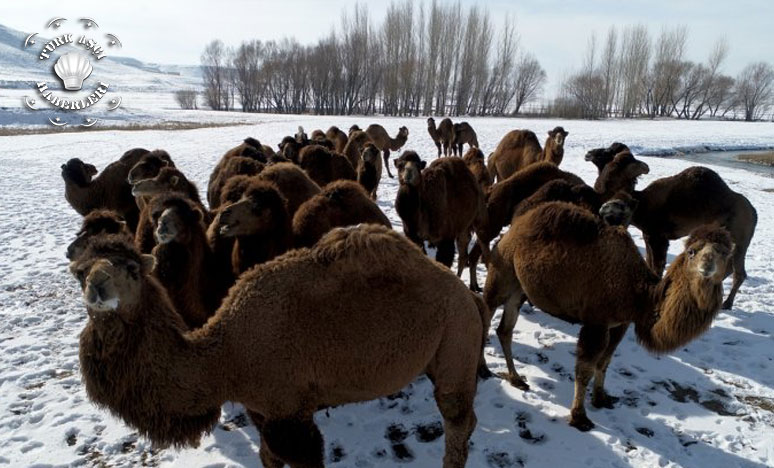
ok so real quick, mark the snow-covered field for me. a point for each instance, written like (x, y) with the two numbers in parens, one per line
(710, 404)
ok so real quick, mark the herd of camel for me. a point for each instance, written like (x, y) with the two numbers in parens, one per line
(290, 292)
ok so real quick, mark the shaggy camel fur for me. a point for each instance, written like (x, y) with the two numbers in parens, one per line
(601, 156)
(294, 184)
(338, 137)
(98, 223)
(531, 260)
(385, 143)
(259, 222)
(441, 204)
(109, 190)
(520, 148)
(474, 159)
(620, 175)
(463, 133)
(149, 166)
(137, 359)
(671, 207)
(369, 169)
(354, 147)
(324, 167)
(289, 149)
(249, 148)
(341, 203)
(183, 258)
(235, 165)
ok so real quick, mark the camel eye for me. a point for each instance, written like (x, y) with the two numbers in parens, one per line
(691, 252)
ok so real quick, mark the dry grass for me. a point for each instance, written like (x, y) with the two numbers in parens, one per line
(766, 159)
(170, 125)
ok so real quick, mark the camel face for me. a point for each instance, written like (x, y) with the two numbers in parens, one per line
(409, 173)
(166, 181)
(616, 213)
(708, 259)
(107, 284)
(78, 172)
(253, 214)
(370, 154)
(169, 226)
(148, 168)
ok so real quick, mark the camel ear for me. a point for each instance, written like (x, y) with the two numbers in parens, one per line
(174, 180)
(422, 164)
(63, 166)
(148, 263)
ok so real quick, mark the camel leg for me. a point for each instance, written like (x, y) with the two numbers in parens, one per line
(268, 459)
(438, 145)
(387, 163)
(739, 276)
(600, 398)
(505, 335)
(656, 251)
(297, 441)
(445, 252)
(592, 344)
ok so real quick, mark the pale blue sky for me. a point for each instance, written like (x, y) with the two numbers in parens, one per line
(556, 31)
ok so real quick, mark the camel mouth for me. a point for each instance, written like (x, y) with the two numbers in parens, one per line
(707, 271)
(226, 228)
(93, 297)
(164, 237)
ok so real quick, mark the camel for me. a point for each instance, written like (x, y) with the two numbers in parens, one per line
(671, 207)
(318, 138)
(434, 135)
(98, 223)
(324, 167)
(109, 190)
(259, 222)
(440, 204)
(369, 169)
(446, 136)
(149, 166)
(605, 287)
(235, 165)
(294, 184)
(520, 148)
(474, 159)
(338, 138)
(138, 360)
(341, 203)
(354, 147)
(249, 148)
(382, 140)
(463, 133)
(183, 258)
(601, 156)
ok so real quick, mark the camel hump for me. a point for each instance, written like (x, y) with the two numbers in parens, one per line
(562, 221)
(370, 244)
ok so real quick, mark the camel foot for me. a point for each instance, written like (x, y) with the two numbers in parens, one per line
(581, 422)
(476, 288)
(727, 305)
(516, 381)
(604, 401)
(484, 373)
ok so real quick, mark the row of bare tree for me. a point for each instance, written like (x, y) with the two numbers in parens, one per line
(420, 60)
(635, 75)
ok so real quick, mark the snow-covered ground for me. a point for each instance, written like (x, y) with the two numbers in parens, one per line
(710, 404)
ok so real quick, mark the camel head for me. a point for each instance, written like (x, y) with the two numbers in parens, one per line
(473, 154)
(254, 143)
(370, 154)
(707, 252)
(255, 213)
(430, 122)
(620, 174)
(601, 156)
(290, 148)
(168, 179)
(111, 273)
(410, 166)
(353, 129)
(619, 210)
(172, 215)
(149, 166)
(234, 189)
(95, 223)
(78, 172)
(403, 134)
(558, 134)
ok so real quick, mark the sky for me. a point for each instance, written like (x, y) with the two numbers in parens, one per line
(555, 31)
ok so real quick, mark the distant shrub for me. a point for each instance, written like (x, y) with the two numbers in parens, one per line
(186, 98)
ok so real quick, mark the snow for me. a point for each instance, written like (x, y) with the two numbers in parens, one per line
(710, 404)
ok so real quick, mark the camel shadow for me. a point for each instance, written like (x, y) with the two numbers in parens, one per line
(236, 437)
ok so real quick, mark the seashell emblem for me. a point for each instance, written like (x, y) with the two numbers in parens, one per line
(72, 68)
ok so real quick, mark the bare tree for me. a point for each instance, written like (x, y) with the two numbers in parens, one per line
(608, 70)
(530, 79)
(186, 98)
(754, 89)
(215, 71)
(634, 58)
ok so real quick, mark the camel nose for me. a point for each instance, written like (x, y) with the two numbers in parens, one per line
(70, 252)
(707, 268)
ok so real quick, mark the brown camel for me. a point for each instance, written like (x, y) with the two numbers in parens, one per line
(109, 190)
(672, 207)
(137, 359)
(294, 184)
(183, 258)
(440, 204)
(354, 147)
(369, 169)
(98, 223)
(434, 135)
(601, 156)
(235, 165)
(446, 135)
(149, 166)
(531, 261)
(249, 148)
(338, 137)
(476, 162)
(382, 140)
(341, 203)
(520, 148)
(463, 133)
(259, 222)
(318, 138)
(324, 167)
